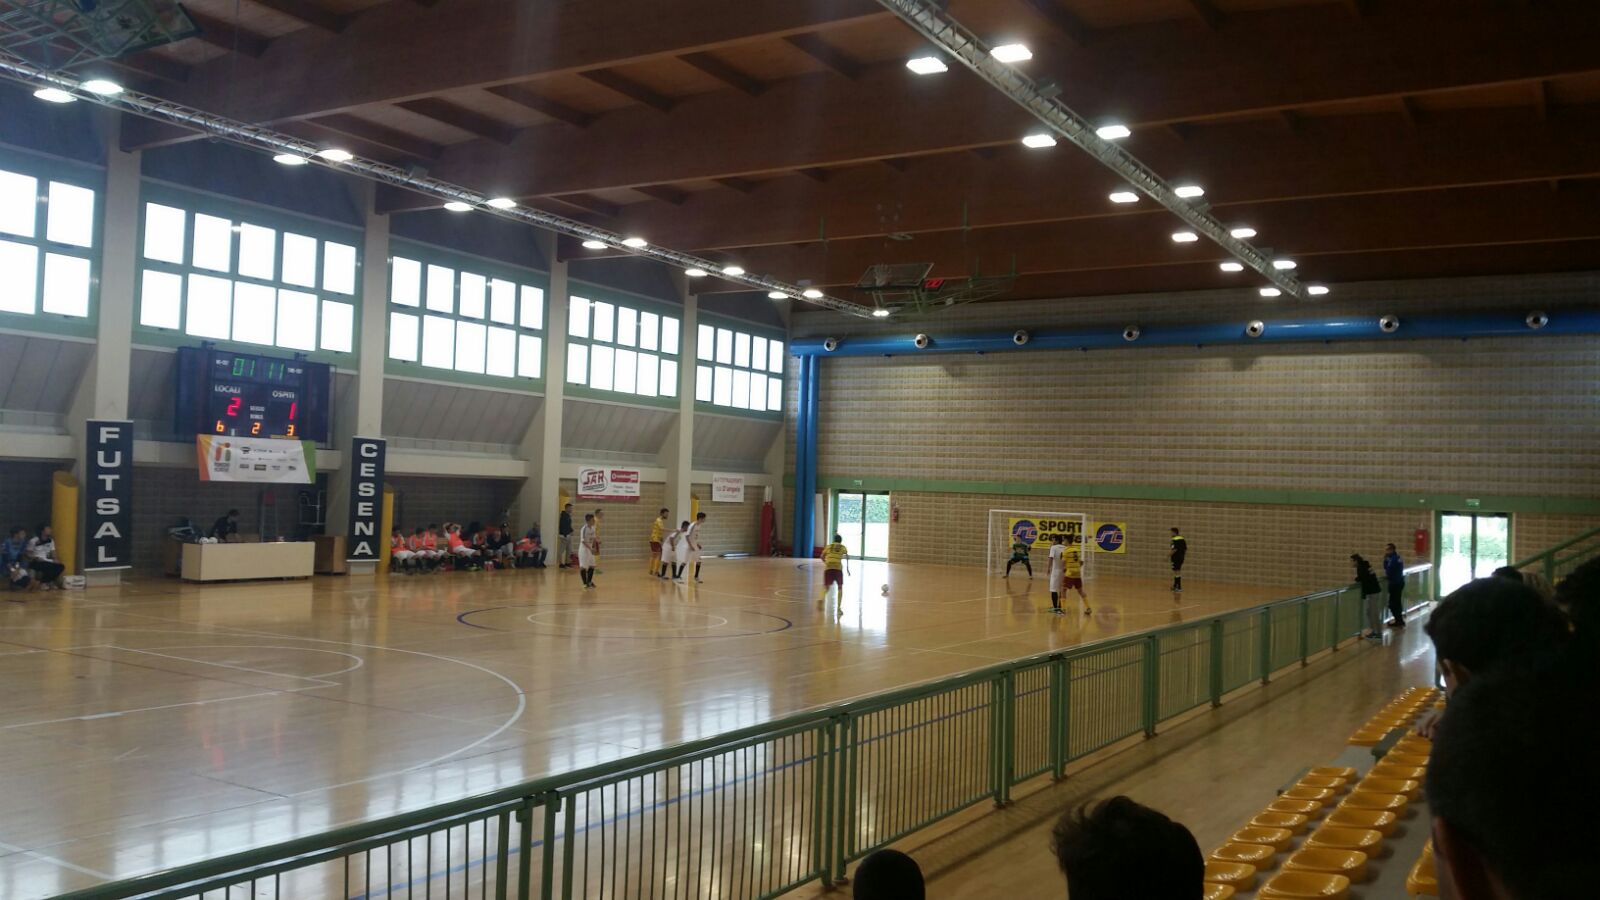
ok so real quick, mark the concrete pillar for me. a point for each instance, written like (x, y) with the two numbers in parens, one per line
(539, 498)
(677, 451)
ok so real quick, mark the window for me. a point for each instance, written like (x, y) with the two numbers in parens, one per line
(623, 349)
(46, 235)
(246, 278)
(459, 317)
(738, 370)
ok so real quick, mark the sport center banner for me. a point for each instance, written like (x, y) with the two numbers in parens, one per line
(110, 520)
(727, 488)
(608, 484)
(1037, 532)
(1111, 537)
(366, 499)
(277, 460)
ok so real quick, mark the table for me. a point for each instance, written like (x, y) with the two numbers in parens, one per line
(245, 562)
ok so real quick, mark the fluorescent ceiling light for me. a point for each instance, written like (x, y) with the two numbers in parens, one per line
(334, 154)
(927, 65)
(54, 95)
(733, 270)
(1037, 141)
(880, 313)
(695, 272)
(1271, 292)
(458, 206)
(594, 245)
(1010, 53)
(777, 295)
(1232, 267)
(1112, 132)
(1282, 264)
(1316, 290)
(1185, 237)
(812, 294)
(290, 159)
(503, 203)
(103, 87)
(635, 242)
(1187, 191)
(1124, 197)
(1243, 233)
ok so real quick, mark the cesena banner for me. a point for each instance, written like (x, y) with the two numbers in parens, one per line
(224, 458)
(727, 488)
(366, 499)
(110, 521)
(608, 484)
(1037, 532)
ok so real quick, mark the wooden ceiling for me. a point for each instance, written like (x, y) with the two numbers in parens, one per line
(1367, 138)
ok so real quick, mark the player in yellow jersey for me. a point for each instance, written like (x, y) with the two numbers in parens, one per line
(658, 529)
(834, 565)
(1072, 578)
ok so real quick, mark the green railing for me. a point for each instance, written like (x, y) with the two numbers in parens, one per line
(1558, 561)
(762, 810)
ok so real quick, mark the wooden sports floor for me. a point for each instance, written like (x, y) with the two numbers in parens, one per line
(161, 723)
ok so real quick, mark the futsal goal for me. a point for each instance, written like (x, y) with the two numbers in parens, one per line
(1036, 527)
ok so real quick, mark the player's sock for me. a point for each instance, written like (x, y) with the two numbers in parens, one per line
(1055, 600)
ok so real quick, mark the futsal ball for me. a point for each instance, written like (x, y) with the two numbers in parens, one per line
(886, 589)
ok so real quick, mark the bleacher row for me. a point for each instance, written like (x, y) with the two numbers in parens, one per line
(1316, 839)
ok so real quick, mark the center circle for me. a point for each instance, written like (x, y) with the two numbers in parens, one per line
(581, 620)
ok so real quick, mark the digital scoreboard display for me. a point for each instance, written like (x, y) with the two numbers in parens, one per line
(249, 395)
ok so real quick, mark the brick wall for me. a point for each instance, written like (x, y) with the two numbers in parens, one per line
(730, 527)
(625, 532)
(25, 494)
(1534, 532)
(162, 497)
(419, 501)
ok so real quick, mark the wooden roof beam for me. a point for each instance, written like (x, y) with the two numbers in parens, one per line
(308, 12)
(467, 120)
(663, 193)
(540, 104)
(1207, 12)
(725, 73)
(1070, 26)
(812, 45)
(627, 87)
(382, 135)
(227, 36)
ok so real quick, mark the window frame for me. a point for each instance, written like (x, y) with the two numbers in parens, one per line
(639, 304)
(45, 169)
(754, 330)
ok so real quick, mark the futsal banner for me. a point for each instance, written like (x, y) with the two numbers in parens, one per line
(1110, 537)
(727, 488)
(109, 524)
(282, 461)
(608, 484)
(364, 544)
(1037, 532)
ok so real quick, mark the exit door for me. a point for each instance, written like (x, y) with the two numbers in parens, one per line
(1471, 545)
(862, 521)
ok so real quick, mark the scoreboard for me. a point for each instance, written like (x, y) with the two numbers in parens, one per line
(249, 395)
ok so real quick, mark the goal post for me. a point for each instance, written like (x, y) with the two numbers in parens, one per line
(1036, 527)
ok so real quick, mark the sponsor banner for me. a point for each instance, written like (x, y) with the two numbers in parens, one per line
(224, 458)
(1037, 532)
(727, 488)
(1110, 537)
(109, 523)
(608, 484)
(364, 543)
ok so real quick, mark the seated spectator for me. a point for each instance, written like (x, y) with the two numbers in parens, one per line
(14, 561)
(1120, 850)
(530, 549)
(226, 528)
(401, 556)
(500, 543)
(888, 875)
(1513, 786)
(42, 559)
(1579, 595)
(459, 548)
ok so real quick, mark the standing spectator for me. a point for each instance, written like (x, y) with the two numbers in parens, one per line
(14, 560)
(564, 537)
(1120, 850)
(42, 559)
(1176, 551)
(888, 875)
(1371, 594)
(1394, 571)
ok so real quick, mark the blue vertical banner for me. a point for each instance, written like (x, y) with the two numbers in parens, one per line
(364, 544)
(109, 523)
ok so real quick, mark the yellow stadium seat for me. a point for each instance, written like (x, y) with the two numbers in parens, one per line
(1321, 795)
(1239, 876)
(1404, 759)
(1421, 880)
(1375, 819)
(1394, 803)
(1256, 855)
(1364, 840)
(1305, 886)
(1294, 823)
(1386, 770)
(1215, 891)
(1413, 746)
(1352, 864)
(1323, 781)
(1348, 773)
(1367, 737)
(1410, 789)
(1276, 838)
(1307, 808)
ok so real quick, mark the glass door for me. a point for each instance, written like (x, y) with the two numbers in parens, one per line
(862, 521)
(1471, 545)
(875, 540)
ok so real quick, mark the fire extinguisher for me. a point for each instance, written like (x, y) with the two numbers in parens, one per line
(1420, 540)
(894, 513)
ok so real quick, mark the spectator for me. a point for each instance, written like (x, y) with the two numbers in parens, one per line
(1120, 850)
(1497, 836)
(1394, 572)
(564, 538)
(400, 556)
(14, 560)
(226, 528)
(888, 875)
(459, 548)
(1579, 595)
(42, 559)
(530, 550)
(1371, 595)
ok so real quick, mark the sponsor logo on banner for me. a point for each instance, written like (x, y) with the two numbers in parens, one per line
(366, 499)
(224, 458)
(110, 520)
(727, 488)
(1037, 532)
(595, 483)
(1110, 537)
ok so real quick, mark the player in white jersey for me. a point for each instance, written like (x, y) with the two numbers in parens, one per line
(695, 545)
(676, 551)
(1057, 572)
(588, 551)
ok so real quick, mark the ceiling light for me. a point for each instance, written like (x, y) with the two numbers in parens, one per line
(1243, 233)
(102, 86)
(1271, 292)
(927, 65)
(594, 245)
(733, 270)
(1124, 197)
(880, 313)
(458, 206)
(695, 272)
(1037, 141)
(777, 295)
(1232, 267)
(1185, 237)
(1010, 53)
(503, 203)
(1113, 132)
(1316, 290)
(812, 294)
(1186, 191)
(1283, 264)
(635, 242)
(54, 95)
(334, 154)
(290, 159)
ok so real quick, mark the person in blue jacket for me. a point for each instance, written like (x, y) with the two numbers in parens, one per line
(1394, 572)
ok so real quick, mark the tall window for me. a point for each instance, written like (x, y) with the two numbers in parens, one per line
(738, 369)
(47, 236)
(454, 314)
(245, 277)
(621, 348)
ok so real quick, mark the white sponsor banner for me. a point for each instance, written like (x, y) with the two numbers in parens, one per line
(596, 483)
(256, 459)
(727, 488)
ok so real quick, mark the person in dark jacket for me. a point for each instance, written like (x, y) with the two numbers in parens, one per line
(1394, 572)
(1371, 594)
(564, 538)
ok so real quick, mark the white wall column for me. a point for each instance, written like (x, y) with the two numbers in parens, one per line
(539, 499)
(677, 451)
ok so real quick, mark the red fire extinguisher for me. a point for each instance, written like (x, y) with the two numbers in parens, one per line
(1420, 540)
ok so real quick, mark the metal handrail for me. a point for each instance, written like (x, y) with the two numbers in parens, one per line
(1550, 559)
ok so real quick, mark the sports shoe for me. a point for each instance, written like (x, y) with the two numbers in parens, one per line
(1375, 635)
(699, 581)
(1087, 611)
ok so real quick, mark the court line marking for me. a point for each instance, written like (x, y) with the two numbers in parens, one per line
(236, 668)
(462, 618)
(359, 661)
(140, 709)
(45, 857)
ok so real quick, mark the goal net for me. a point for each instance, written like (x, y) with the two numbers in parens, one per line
(1007, 526)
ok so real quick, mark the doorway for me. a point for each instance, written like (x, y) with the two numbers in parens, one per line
(862, 521)
(1471, 545)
